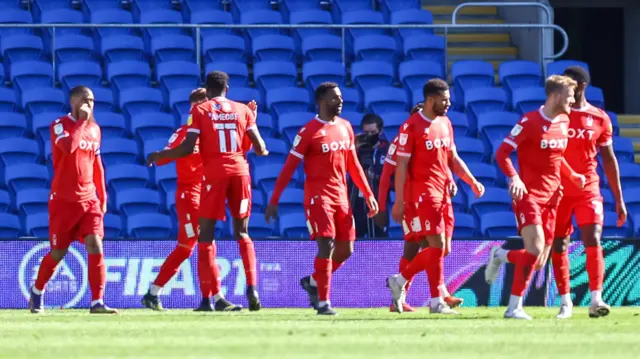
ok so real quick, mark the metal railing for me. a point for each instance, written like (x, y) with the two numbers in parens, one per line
(548, 17)
(341, 28)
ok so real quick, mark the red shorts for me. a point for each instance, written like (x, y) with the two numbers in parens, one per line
(587, 209)
(72, 221)
(187, 205)
(429, 217)
(528, 212)
(235, 191)
(325, 220)
(409, 214)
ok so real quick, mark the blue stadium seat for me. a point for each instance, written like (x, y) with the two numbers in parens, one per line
(211, 16)
(139, 7)
(310, 16)
(112, 15)
(406, 16)
(74, 48)
(469, 74)
(287, 99)
(75, 73)
(241, 6)
(610, 229)
(465, 226)
(128, 74)
(14, 16)
(258, 203)
(470, 149)
(354, 118)
(8, 102)
(119, 151)
(31, 74)
(459, 122)
(558, 67)
(481, 100)
(361, 17)
(339, 7)
(392, 122)
(595, 96)
(485, 173)
(415, 73)
(630, 175)
(385, 99)
(179, 100)
(122, 177)
(43, 99)
(32, 201)
(270, 75)
(152, 125)
(18, 150)
(290, 122)
(26, 176)
(103, 99)
(178, 74)
(21, 47)
(149, 225)
(390, 6)
(237, 71)
(293, 225)
(494, 200)
(495, 126)
(624, 149)
(425, 47)
(44, 9)
(258, 226)
(632, 200)
(41, 122)
(245, 95)
(519, 73)
(138, 200)
(290, 201)
(223, 48)
(459, 203)
(498, 225)
(5, 202)
(273, 47)
(12, 125)
(139, 100)
(112, 226)
(316, 72)
(37, 225)
(371, 74)
(351, 100)
(166, 177)
(265, 176)
(277, 148)
(394, 229)
(173, 48)
(376, 48)
(160, 16)
(614, 122)
(153, 145)
(9, 226)
(170, 203)
(256, 16)
(266, 125)
(608, 203)
(528, 99)
(2, 79)
(117, 48)
(62, 16)
(112, 124)
(322, 48)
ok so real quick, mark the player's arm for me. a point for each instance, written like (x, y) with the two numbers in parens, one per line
(359, 178)
(517, 136)
(175, 140)
(459, 167)
(67, 138)
(253, 134)
(99, 181)
(385, 182)
(612, 170)
(403, 155)
(188, 145)
(573, 176)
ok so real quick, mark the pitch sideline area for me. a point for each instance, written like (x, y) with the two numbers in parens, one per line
(299, 333)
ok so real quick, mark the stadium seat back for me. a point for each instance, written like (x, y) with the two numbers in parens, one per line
(271, 75)
(166, 177)
(287, 99)
(22, 47)
(129, 74)
(12, 125)
(103, 100)
(415, 73)
(425, 47)
(152, 125)
(495, 126)
(351, 101)
(409, 15)
(179, 100)
(258, 226)
(118, 48)
(119, 151)
(136, 201)
(77, 73)
(498, 225)
(32, 201)
(316, 72)
(178, 74)
(371, 74)
(9, 226)
(322, 47)
(31, 74)
(123, 177)
(376, 48)
(480, 100)
(494, 200)
(140, 100)
(558, 67)
(43, 99)
(8, 101)
(293, 226)
(112, 124)
(149, 225)
(223, 48)
(173, 47)
(112, 226)
(460, 123)
(237, 71)
(610, 228)
(25, 176)
(273, 48)
(465, 226)
(14, 151)
(385, 99)
(528, 99)
(37, 225)
(74, 47)
(470, 149)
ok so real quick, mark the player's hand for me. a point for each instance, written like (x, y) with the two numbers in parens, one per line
(381, 219)
(452, 187)
(253, 106)
(85, 112)
(397, 212)
(104, 206)
(517, 189)
(578, 180)
(621, 209)
(265, 152)
(478, 189)
(152, 158)
(271, 213)
(373, 206)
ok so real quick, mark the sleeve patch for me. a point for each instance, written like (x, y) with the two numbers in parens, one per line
(173, 138)
(516, 130)
(296, 141)
(189, 120)
(403, 139)
(58, 129)
(392, 150)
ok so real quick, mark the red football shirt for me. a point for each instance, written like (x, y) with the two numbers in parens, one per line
(222, 126)
(325, 148)
(75, 147)
(189, 168)
(540, 142)
(589, 129)
(428, 143)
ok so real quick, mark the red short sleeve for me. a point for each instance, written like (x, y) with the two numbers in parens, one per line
(194, 122)
(606, 137)
(518, 133)
(406, 140)
(175, 139)
(301, 143)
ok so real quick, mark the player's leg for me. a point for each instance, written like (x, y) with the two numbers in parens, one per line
(187, 204)
(410, 250)
(560, 257)
(449, 225)
(240, 205)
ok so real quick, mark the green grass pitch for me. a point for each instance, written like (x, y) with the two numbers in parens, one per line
(299, 333)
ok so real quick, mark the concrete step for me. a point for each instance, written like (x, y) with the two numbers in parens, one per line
(479, 38)
(470, 21)
(448, 10)
(629, 120)
(636, 158)
(630, 132)
(478, 50)
(636, 146)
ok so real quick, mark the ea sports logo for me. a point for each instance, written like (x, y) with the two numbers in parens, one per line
(67, 285)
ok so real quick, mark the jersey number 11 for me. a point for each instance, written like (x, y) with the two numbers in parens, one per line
(227, 130)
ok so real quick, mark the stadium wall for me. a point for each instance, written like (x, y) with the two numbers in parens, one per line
(133, 264)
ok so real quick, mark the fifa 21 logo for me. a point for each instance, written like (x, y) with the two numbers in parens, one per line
(333, 146)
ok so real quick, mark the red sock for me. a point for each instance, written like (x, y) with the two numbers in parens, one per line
(208, 271)
(513, 256)
(403, 264)
(336, 265)
(172, 264)
(97, 275)
(418, 264)
(46, 270)
(248, 254)
(595, 267)
(322, 276)
(560, 263)
(435, 271)
(523, 273)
